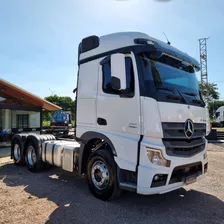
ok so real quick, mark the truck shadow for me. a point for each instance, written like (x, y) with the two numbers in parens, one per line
(76, 204)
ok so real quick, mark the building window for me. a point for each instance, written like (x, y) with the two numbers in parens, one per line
(106, 70)
(22, 120)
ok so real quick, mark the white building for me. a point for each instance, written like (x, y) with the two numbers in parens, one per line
(20, 111)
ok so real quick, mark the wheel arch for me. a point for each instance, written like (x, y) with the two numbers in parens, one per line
(37, 139)
(32, 138)
(87, 141)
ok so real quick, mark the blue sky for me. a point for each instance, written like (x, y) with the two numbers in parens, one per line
(39, 39)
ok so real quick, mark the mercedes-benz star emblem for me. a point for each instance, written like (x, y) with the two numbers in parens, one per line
(189, 128)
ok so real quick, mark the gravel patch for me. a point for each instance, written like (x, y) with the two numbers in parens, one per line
(56, 196)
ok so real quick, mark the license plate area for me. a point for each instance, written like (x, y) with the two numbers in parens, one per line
(186, 173)
(191, 179)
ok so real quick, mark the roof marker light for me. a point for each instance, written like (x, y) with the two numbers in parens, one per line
(150, 42)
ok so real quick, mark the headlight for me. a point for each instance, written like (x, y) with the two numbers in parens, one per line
(205, 155)
(155, 156)
(208, 123)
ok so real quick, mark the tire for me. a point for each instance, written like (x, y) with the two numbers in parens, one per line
(33, 158)
(47, 166)
(17, 152)
(65, 133)
(100, 163)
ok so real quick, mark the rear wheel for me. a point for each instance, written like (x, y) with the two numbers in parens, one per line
(101, 173)
(18, 156)
(33, 158)
(65, 133)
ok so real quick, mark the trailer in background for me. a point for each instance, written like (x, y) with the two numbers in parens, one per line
(219, 115)
(61, 118)
(59, 131)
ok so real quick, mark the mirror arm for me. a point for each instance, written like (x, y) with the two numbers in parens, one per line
(126, 93)
(105, 60)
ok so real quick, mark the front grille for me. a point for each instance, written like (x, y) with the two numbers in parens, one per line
(177, 144)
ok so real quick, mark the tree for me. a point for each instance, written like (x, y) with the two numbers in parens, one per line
(65, 102)
(209, 90)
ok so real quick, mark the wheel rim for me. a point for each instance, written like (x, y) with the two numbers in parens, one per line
(31, 155)
(16, 152)
(100, 175)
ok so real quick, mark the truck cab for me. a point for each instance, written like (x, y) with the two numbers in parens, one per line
(141, 96)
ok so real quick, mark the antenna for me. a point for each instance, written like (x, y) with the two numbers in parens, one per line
(52, 93)
(166, 38)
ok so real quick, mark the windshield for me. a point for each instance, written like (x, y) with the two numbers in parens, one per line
(168, 72)
(167, 78)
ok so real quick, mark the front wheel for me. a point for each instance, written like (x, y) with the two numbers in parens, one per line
(101, 173)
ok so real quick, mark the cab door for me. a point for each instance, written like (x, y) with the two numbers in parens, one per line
(118, 111)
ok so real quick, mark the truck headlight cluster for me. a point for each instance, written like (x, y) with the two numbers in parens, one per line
(205, 155)
(155, 156)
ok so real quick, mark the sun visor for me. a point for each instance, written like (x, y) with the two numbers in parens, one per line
(169, 50)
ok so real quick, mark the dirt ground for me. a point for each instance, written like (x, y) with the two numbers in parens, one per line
(56, 196)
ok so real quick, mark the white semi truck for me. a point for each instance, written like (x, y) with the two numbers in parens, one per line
(219, 115)
(140, 119)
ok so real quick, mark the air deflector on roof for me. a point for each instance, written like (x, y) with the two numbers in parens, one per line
(169, 50)
(89, 43)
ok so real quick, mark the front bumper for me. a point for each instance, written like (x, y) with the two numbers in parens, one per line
(147, 171)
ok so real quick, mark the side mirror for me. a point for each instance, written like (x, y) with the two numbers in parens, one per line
(118, 71)
(115, 83)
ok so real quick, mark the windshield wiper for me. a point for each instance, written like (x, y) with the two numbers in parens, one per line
(190, 94)
(199, 102)
(184, 100)
(174, 97)
(195, 100)
(165, 88)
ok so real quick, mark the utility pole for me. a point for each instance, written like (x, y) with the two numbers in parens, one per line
(203, 60)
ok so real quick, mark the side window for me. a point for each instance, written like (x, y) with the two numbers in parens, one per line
(22, 120)
(129, 74)
(106, 71)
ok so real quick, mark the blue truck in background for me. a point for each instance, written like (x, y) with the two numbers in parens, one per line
(61, 118)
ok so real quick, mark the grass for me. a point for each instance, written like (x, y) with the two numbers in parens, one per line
(218, 129)
(47, 123)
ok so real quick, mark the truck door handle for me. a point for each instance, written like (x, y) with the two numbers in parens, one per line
(101, 121)
(132, 125)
